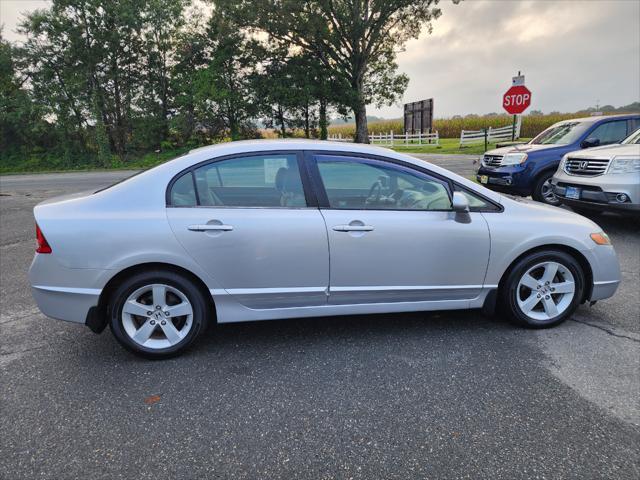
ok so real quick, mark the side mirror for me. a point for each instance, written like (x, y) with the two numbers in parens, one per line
(460, 203)
(590, 142)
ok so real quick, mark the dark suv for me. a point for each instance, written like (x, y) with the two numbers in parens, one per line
(527, 169)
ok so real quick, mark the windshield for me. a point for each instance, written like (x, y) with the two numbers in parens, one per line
(633, 139)
(561, 134)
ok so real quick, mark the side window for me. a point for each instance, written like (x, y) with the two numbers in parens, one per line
(183, 191)
(610, 132)
(253, 181)
(475, 201)
(356, 184)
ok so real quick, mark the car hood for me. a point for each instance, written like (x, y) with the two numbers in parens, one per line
(526, 148)
(607, 151)
(527, 206)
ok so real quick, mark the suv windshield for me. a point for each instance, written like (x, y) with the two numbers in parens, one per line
(562, 134)
(633, 139)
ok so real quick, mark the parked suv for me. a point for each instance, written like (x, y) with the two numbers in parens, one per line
(527, 169)
(601, 178)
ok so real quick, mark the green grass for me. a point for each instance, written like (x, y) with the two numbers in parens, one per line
(448, 146)
(45, 164)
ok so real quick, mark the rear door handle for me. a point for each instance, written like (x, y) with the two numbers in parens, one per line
(209, 228)
(353, 228)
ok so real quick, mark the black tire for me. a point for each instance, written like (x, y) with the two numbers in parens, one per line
(509, 288)
(199, 304)
(539, 193)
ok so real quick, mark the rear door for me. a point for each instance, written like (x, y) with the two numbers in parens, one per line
(610, 132)
(250, 222)
(393, 236)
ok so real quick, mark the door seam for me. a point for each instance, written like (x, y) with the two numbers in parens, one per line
(326, 230)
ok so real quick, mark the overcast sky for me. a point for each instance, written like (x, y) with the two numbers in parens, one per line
(573, 53)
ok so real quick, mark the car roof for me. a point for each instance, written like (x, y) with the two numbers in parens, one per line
(170, 169)
(245, 146)
(599, 118)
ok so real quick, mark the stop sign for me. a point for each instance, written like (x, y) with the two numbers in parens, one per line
(516, 100)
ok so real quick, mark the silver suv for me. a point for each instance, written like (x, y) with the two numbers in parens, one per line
(601, 178)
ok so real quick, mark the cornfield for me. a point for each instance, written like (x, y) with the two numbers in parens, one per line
(451, 127)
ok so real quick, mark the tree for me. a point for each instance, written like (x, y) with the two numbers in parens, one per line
(190, 56)
(224, 95)
(163, 20)
(20, 117)
(355, 39)
(87, 53)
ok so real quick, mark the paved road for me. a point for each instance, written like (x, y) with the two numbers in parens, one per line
(439, 395)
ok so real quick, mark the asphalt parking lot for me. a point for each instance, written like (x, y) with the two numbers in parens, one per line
(425, 395)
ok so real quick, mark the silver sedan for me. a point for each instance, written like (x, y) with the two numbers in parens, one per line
(263, 230)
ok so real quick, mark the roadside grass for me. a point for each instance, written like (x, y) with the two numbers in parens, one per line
(448, 146)
(32, 165)
(46, 164)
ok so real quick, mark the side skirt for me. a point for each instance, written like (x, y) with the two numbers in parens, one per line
(230, 310)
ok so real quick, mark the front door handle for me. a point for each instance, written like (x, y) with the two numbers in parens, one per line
(210, 227)
(353, 228)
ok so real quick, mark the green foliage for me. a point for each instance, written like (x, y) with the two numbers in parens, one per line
(356, 41)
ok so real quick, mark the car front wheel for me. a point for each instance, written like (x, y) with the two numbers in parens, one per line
(157, 314)
(543, 289)
(543, 190)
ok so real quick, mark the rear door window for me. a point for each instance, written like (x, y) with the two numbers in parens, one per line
(610, 132)
(269, 180)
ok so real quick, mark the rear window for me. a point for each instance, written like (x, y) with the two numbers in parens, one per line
(183, 192)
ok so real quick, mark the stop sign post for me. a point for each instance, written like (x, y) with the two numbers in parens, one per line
(516, 100)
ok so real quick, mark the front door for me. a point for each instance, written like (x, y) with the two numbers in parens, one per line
(246, 220)
(393, 236)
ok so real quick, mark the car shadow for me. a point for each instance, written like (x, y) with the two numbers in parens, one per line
(297, 332)
(615, 223)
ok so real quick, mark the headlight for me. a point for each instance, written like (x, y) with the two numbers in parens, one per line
(563, 162)
(514, 158)
(625, 164)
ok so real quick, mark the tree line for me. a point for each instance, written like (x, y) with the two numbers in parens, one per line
(95, 80)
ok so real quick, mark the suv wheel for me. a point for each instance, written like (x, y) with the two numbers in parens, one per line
(157, 314)
(543, 190)
(543, 289)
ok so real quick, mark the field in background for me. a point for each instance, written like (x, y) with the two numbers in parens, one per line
(451, 127)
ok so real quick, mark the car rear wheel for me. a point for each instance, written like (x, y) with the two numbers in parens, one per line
(543, 289)
(157, 314)
(543, 190)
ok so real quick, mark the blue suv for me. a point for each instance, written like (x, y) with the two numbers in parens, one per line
(527, 169)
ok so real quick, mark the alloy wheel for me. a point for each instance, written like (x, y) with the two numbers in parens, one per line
(157, 316)
(547, 193)
(545, 291)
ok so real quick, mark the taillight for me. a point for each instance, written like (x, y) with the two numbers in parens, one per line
(43, 245)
